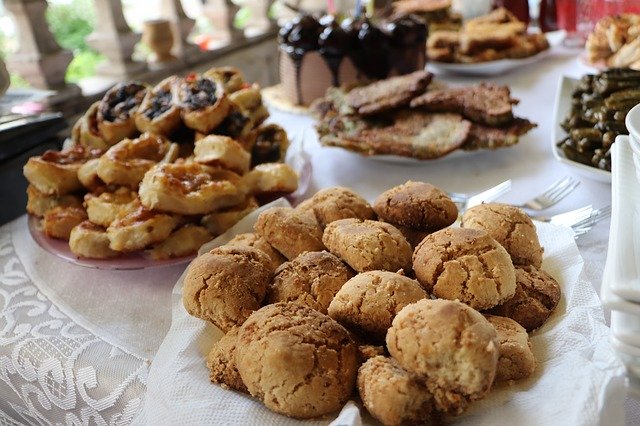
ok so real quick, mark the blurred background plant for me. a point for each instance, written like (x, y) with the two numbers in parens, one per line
(71, 22)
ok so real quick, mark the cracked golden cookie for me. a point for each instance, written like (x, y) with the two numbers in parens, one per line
(226, 285)
(368, 302)
(452, 346)
(253, 240)
(289, 231)
(394, 396)
(221, 362)
(516, 358)
(337, 203)
(511, 227)
(368, 245)
(312, 279)
(306, 206)
(297, 361)
(465, 264)
(416, 205)
(537, 295)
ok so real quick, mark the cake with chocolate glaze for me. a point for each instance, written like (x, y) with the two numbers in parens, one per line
(319, 53)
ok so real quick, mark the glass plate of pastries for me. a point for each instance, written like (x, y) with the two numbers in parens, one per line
(152, 173)
(409, 118)
(488, 45)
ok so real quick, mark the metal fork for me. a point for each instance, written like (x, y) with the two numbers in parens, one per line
(596, 216)
(579, 220)
(556, 192)
(568, 218)
(466, 201)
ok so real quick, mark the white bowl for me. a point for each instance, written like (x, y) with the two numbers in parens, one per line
(629, 355)
(632, 122)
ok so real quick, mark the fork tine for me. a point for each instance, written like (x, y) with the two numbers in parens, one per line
(564, 191)
(553, 194)
(557, 185)
(568, 218)
(595, 217)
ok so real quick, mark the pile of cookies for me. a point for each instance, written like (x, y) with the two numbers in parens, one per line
(163, 169)
(337, 296)
(497, 35)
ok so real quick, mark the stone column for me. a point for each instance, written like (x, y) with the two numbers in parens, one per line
(40, 60)
(181, 27)
(273, 22)
(221, 14)
(235, 34)
(114, 39)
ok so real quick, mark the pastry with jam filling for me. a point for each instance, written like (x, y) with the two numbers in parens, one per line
(126, 162)
(231, 78)
(158, 112)
(189, 188)
(203, 102)
(267, 144)
(86, 132)
(115, 111)
(56, 172)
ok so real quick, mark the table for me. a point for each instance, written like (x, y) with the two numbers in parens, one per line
(78, 316)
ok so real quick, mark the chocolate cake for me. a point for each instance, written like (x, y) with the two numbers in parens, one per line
(319, 53)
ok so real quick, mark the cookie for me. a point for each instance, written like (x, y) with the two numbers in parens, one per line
(368, 245)
(368, 302)
(392, 395)
(414, 236)
(312, 279)
(465, 264)
(253, 240)
(337, 203)
(226, 285)
(306, 206)
(416, 205)
(221, 362)
(511, 227)
(452, 346)
(516, 359)
(297, 361)
(289, 231)
(537, 295)
(366, 352)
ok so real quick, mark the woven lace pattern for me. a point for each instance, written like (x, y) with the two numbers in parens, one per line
(53, 371)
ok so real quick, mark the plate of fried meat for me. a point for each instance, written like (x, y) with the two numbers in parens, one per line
(488, 45)
(409, 117)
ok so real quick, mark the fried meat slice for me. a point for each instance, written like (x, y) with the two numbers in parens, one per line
(484, 103)
(387, 94)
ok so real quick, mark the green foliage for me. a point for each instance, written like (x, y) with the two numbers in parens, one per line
(70, 24)
(83, 65)
(242, 18)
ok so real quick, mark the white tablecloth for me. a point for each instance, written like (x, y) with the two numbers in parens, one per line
(100, 330)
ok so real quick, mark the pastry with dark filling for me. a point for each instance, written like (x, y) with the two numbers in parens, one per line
(203, 101)
(158, 112)
(116, 109)
(267, 144)
(231, 78)
(86, 132)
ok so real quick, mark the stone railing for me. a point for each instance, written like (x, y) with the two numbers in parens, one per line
(42, 62)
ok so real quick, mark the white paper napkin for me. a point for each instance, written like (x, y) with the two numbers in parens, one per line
(573, 383)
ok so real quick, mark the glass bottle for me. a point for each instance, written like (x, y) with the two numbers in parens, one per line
(520, 8)
(547, 18)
